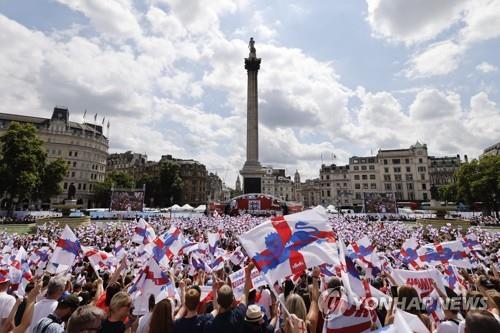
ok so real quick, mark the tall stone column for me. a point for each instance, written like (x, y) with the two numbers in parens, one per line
(252, 171)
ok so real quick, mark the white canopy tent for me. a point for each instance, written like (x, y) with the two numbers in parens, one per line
(187, 207)
(200, 208)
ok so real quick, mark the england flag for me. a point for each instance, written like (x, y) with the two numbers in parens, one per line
(287, 245)
(67, 248)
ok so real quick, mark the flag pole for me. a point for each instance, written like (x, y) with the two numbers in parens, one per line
(282, 302)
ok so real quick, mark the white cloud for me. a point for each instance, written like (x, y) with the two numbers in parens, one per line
(486, 67)
(112, 17)
(412, 21)
(438, 59)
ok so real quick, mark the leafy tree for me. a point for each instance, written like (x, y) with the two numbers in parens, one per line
(152, 195)
(479, 181)
(116, 179)
(23, 169)
(448, 192)
(170, 184)
(51, 180)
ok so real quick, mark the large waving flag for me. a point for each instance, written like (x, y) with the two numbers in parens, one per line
(151, 280)
(444, 253)
(100, 260)
(166, 246)
(409, 254)
(421, 280)
(118, 250)
(143, 232)
(471, 244)
(237, 256)
(288, 245)
(67, 248)
(364, 252)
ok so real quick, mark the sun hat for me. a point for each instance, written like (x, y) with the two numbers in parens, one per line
(254, 314)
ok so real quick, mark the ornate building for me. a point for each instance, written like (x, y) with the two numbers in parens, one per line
(82, 145)
(442, 172)
(335, 185)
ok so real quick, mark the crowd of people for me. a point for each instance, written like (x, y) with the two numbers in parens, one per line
(202, 298)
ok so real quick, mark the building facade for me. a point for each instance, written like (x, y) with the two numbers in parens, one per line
(276, 183)
(194, 178)
(310, 192)
(493, 150)
(83, 146)
(335, 185)
(365, 176)
(125, 161)
(442, 172)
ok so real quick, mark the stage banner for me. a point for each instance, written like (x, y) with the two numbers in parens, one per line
(127, 200)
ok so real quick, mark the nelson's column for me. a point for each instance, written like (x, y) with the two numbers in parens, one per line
(252, 171)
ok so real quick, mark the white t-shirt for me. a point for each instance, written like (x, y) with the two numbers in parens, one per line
(42, 309)
(144, 321)
(448, 326)
(6, 304)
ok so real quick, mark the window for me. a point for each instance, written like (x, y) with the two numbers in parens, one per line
(74, 164)
(372, 177)
(387, 178)
(327, 177)
(356, 167)
(411, 196)
(398, 169)
(364, 177)
(407, 161)
(425, 196)
(421, 169)
(385, 161)
(365, 186)
(408, 169)
(79, 186)
(371, 160)
(399, 186)
(420, 160)
(409, 186)
(65, 186)
(422, 176)
(373, 186)
(357, 186)
(388, 186)
(72, 174)
(396, 161)
(70, 153)
(409, 176)
(371, 167)
(358, 196)
(355, 161)
(328, 193)
(424, 186)
(363, 167)
(76, 153)
(356, 177)
(397, 177)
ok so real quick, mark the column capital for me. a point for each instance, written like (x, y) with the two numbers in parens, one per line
(252, 64)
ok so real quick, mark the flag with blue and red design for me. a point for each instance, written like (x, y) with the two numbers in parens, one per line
(213, 238)
(217, 264)
(237, 256)
(198, 263)
(100, 260)
(444, 253)
(150, 280)
(408, 254)
(67, 248)
(287, 245)
(4, 275)
(454, 280)
(365, 253)
(143, 233)
(166, 246)
(118, 250)
(471, 244)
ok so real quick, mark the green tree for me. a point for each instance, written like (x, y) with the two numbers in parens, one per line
(116, 179)
(448, 192)
(170, 184)
(23, 169)
(479, 181)
(152, 195)
(52, 177)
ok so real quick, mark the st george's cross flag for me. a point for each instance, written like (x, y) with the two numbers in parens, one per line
(67, 248)
(287, 245)
(444, 253)
(213, 238)
(409, 254)
(166, 246)
(100, 260)
(143, 233)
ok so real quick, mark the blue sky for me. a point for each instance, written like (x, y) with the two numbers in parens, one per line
(337, 77)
